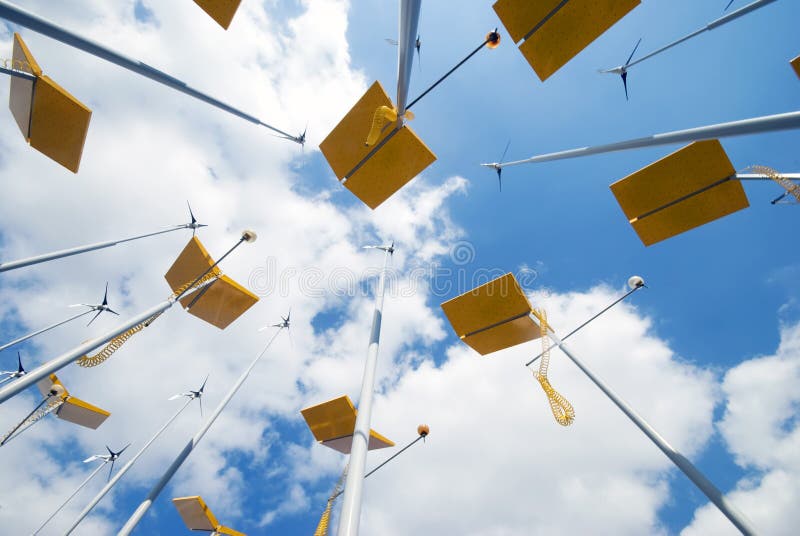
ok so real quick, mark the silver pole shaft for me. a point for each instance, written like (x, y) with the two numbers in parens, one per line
(762, 177)
(17, 15)
(6, 266)
(406, 41)
(110, 484)
(65, 359)
(769, 123)
(48, 328)
(46, 521)
(351, 505)
(140, 511)
(708, 27)
(683, 463)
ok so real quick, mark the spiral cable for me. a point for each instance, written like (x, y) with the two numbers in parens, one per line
(324, 520)
(52, 404)
(562, 410)
(790, 187)
(116, 343)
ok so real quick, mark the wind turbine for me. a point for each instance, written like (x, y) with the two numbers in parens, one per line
(190, 396)
(156, 490)
(622, 70)
(196, 283)
(13, 265)
(498, 315)
(284, 323)
(17, 15)
(10, 375)
(106, 458)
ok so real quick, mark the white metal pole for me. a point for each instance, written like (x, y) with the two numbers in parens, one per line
(683, 463)
(351, 505)
(110, 484)
(763, 177)
(17, 15)
(66, 358)
(140, 511)
(48, 328)
(768, 123)
(406, 41)
(12, 265)
(46, 521)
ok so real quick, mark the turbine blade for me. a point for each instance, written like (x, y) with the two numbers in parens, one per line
(191, 214)
(625, 83)
(204, 385)
(729, 5)
(91, 458)
(110, 451)
(391, 41)
(174, 397)
(105, 296)
(634, 52)
(94, 318)
(110, 470)
(112, 311)
(123, 450)
(21, 369)
(505, 151)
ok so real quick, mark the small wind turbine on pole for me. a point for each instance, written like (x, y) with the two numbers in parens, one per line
(13, 265)
(498, 315)
(105, 458)
(197, 284)
(11, 375)
(156, 490)
(17, 15)
(190, 396)
(622, 70)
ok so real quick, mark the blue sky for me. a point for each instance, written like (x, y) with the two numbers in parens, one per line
(719, 319)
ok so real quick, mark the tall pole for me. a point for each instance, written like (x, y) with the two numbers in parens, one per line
(110, 484)
(6, 266)
(68, 357)
(63, 504)
(755, 125)
(16, 14)
(406, 41)
(351, 505)
(141, 510)
(48, 328)
(683, 463)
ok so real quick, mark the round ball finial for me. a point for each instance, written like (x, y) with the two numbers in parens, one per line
(635, 282)
(249, 236)
(423, 430)
(493, 39)
(57, 390)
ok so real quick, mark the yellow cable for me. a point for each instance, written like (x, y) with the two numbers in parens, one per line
(788, 185)
(324, 520)
(560, 406)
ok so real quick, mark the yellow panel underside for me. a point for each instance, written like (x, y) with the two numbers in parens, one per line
(20, 98)
(679, 174)
(520, 16)
(796, 64)
(496, 301)
(571, 29)
(223, 302)
(401, 159)
(195, 513)
(345, 444)
(221, 11)
(192, 261)
(344, 147)
(331, 419)
(504, 336)
(79, 412)
(229, 531)
(59, 123)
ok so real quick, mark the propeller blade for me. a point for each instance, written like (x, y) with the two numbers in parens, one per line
(21, 369)
(505, 151)
(634, 52)
(204, 385)
(191, 214)
(81, 305)
(729, 5)
(123, 450)
(418, 46)
(175, 397)
(112, 311)
(110, 451)
(625, 83)
(94, 318)
(391, 41)
(92, 458)
(110, 470)
(201, 407)
(105, 296)
(500, 178)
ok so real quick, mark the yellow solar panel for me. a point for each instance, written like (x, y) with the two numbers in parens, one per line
(493, 316)
(190, 264)
(222, 302)
(79, 412)
(333, 422)
(195, 513)
(683, 190)
(221, 11)
(20, 99)
(392, 164)
(59, 123)
(556, 31)
(796, 64)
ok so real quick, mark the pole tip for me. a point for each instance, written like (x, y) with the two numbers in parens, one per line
(635, 282)
(493, 39)
(423, 430)
(249, 236)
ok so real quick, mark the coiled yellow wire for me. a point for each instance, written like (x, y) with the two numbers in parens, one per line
(379, 118)
(116, 343)
(560, 406)
(324, 520)
(788, 185)
(17, 65)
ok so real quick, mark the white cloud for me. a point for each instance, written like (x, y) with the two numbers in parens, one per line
(761, 428)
